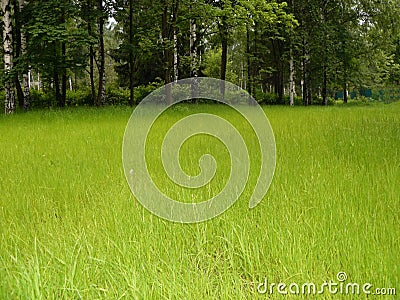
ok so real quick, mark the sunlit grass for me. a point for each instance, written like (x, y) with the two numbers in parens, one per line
(69, 227)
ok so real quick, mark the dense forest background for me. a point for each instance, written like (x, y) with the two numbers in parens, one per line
(95, 52)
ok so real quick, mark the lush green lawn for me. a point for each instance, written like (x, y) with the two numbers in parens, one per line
(69, 227)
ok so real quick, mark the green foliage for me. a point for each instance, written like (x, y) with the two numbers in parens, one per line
(81, 97)
(2, 99)
(143, 90)
(272, 99)
(117, 96)
(39, 99)
(212, 66)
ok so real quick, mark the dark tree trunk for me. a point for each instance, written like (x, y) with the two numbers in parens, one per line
(167, 52)
(20, 92)
(56, 79)
(131, 58)
(324, 87)
(22, 45)
(56, 76)
(64, 74)
(101, 96)
(224, 46)
(223, 31)
(91, 65)
(345, 98)
(61, 95)
(17, 52)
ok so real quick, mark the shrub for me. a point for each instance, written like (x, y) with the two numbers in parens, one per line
(2, 99)
(39, 99)
(81, 97)
(117, 96)
(142, 91)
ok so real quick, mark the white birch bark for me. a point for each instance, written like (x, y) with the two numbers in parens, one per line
(291, 77)
(176, 70)
(193, 48)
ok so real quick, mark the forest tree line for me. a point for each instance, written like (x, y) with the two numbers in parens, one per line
(292, 50)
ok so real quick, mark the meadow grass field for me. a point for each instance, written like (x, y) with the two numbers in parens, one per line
(70, 228)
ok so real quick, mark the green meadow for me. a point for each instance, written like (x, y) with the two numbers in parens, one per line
(71, 229)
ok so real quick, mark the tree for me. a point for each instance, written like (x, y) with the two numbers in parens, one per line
(8, 56)
(56, 44)
(89, 15)
(25, 79)
(101, 95)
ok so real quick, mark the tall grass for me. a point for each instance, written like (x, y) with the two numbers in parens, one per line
(70, 229)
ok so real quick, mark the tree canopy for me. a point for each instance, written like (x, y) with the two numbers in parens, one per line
(311, 49)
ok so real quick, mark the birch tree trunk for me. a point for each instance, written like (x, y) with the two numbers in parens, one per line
(167, 52)
(291, 77)
(25, 77)
(176, 70)
(8, 56)
(175, 37)
(193, 48)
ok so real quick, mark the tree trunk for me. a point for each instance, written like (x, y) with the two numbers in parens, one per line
(8, 56)
(64, 67)
(223, 29)
(224, 46)
(20, 92)
(175, 37)
(248, 86)
(345, 98)
(306, 75)
(176, 66)
(167, 52)
(324, 87)
(64, 75)
(91, 65)
(56, 79)
(131, 58)
(291, 76)
(101, 96)
(281, 83)
(25, 78)
(17, 52)
(193, 48)
(255, 68)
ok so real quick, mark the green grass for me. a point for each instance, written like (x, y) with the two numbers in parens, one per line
(70, 229)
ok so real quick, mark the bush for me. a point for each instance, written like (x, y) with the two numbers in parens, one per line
(142, 91)
(272, 99)
(2, 99)
(117, 96)
(319, 101)
(39, 99)
(266, 98)
(79, 98)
